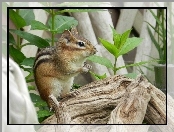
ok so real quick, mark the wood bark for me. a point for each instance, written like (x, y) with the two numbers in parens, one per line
(114, 100)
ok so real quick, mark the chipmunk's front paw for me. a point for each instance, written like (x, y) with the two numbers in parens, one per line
(86, 67)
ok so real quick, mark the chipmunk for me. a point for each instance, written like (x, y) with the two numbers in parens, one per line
(55, 67)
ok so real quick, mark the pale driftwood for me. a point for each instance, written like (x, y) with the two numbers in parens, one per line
(114, 100)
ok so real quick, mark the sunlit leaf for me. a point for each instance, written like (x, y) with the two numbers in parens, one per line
(18, 21)
(35, 40)
(124, 37)
(129, 45)
(98, 77)
(61, 23)
(28, 61)
(100, 60)
(43, 113)
(110, 47)
(36, 25)
(27, 15)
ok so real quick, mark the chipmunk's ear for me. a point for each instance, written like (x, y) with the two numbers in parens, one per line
(74, 31)
(67, 35)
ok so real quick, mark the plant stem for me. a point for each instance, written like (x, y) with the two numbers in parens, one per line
(164, 37)
(18, 46)
(52, 33)
(115, 66)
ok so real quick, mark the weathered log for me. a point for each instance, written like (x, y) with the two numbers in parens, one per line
(114, 100)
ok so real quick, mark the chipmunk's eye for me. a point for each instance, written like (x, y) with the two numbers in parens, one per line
(81, 44)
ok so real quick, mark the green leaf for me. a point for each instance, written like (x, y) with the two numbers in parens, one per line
(98, 77)
(49, 40)
(124, 37)
(101, 60)
(28, 61)
(26, 69)
(130, 44)
(156, 18)
(116, 38)
(41, 104)
(36, 25)
(11, 39)
(16, 19)
(76, 86)
(43, 113)
(35, 40)
(30, 80)
(131, 75)
(17, 55)
(154, 28)
(31, 88)
(155, 42)
(35, 98)
(27, 15)
(61, 23)
(110, 47)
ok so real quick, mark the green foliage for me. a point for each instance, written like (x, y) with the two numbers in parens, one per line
(76, 86)
(36, 25)
(17, 55)
(28, 61)
(131, 75)
(44, 111)
(98, 77)
(110, 47)
(101, 60)
(61, 23)
(129, 45)
(33, 39)
(18, 21)
(11, 39)
(122, 45)
(27, 15)
(160, 29)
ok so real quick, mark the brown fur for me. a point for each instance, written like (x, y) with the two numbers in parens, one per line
(58, 65)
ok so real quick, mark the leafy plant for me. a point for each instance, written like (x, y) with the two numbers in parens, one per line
(160, 29)
(122, 45)
(56, 24)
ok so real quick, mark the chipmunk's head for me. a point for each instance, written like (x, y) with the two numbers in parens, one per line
(71, 41)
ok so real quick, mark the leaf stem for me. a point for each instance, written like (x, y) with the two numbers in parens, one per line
(115, 66)
(164, 37)
(52, 33)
